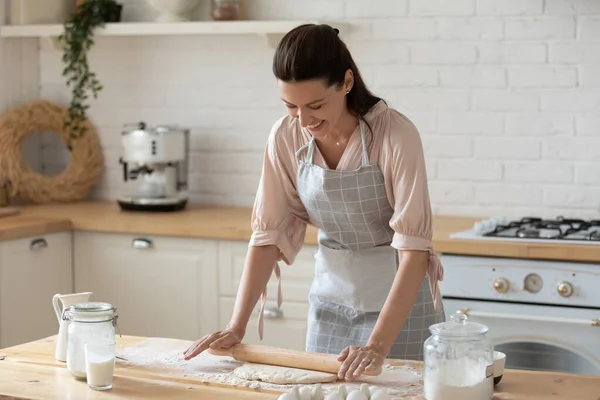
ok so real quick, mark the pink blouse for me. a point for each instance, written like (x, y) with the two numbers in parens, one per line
(394, 144)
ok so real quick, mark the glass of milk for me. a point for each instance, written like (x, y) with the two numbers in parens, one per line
(100, 364)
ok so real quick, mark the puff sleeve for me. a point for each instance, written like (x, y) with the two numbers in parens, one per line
(278, 216)
(406, 182)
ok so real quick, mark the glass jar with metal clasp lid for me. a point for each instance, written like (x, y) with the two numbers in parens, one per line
(458, 361)
(90, 322)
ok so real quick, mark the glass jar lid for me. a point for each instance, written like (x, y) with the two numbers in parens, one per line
(90, 312)
(458, 326)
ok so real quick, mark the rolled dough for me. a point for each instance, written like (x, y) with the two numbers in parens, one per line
(282, 375)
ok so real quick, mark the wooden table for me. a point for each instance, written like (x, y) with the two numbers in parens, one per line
(29, 372)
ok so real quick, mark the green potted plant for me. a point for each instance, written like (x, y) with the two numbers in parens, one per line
(77, 40)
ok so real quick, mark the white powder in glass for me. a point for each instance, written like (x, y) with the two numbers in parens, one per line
(462, 379)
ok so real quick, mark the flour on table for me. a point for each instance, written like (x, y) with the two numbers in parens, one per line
(165, 357)
(281, 375)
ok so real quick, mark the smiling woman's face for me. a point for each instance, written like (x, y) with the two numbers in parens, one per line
(318, 108)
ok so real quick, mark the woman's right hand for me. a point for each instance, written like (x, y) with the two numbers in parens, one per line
(218, 340)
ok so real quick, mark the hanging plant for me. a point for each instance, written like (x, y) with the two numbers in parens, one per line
(77, 40)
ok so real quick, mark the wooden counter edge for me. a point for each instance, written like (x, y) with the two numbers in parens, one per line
(227, 223)
(32, 227)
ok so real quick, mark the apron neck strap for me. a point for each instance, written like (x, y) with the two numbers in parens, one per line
(363, 138)
(311, 151)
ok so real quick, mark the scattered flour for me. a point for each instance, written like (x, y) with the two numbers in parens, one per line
(165, 356)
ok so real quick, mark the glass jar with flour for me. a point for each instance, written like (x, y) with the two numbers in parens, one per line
(90, 322)
(458, 361)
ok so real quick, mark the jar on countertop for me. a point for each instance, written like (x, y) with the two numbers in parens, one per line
(90, 322)
(458, 361)
(226, 10)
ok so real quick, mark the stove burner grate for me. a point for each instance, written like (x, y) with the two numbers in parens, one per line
(550, 229)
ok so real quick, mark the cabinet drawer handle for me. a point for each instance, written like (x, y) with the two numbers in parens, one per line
(38, 244)
(140, 243)
(273, 313)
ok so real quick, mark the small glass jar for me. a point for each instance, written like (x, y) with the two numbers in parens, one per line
(226, 10)
(90, 322)
(458, 361)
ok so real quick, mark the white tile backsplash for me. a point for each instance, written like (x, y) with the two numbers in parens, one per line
(505, 93)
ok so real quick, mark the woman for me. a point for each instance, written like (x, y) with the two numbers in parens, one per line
(346, 163)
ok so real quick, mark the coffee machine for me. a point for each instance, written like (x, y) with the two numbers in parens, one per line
(155, 168)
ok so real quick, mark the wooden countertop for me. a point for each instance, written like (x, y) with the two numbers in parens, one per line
(29, 372)
(233, 223)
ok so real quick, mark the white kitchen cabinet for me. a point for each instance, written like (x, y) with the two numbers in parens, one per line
(32, 270)
(285, 327)
(161, 286)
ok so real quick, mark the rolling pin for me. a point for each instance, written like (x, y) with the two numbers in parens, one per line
(260, 354)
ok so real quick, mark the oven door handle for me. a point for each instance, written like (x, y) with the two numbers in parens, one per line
(481, 314)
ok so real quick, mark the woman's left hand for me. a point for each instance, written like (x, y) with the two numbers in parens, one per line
(355, 360)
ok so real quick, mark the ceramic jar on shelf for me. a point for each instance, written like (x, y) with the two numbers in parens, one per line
(174, 10)
(225, 10)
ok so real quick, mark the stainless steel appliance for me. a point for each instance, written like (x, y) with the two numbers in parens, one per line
(559, 229)
(545, 315)
(155, 168)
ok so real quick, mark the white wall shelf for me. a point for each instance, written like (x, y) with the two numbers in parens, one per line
(273, 30)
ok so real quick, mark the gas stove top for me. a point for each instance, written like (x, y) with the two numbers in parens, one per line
(560, 229)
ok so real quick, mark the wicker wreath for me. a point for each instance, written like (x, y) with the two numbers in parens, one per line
(74, 183)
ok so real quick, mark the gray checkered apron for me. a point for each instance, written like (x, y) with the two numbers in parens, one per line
(355, 265)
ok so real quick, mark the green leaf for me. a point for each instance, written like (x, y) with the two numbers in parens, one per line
(78, 40)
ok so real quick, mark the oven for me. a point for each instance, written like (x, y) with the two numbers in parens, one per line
(544, 315)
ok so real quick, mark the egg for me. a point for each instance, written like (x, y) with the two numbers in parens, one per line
(287, 396)
(357, 395)
(305, 393)
(365, 389)
(343, 391)
(380, 394)
(334, 396)
(318, 393)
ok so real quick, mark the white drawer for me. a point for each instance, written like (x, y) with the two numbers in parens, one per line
(286, 329)
(295, 279)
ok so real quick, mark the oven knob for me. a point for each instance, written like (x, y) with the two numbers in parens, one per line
(501, 285)
(565, 289)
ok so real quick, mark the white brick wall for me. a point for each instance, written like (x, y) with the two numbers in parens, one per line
(506, 94)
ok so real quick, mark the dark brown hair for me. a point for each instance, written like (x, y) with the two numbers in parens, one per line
(313, 51)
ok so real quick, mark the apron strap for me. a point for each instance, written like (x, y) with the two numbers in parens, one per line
(435, 271)
(365, 154)
(301, 149)
(263, 300)
(311, 151)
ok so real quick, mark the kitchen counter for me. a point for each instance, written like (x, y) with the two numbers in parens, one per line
(17, 226)
(233, 223)
(29, 372)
